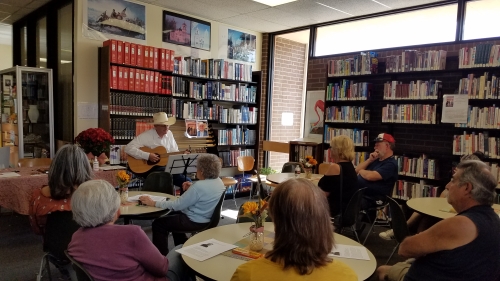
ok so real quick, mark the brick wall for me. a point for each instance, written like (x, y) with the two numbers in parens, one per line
(288, 90)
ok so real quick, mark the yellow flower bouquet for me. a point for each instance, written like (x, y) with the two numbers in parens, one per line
(257, 211)
(123, 180)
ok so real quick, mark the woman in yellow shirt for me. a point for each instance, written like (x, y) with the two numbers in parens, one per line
(303, 239)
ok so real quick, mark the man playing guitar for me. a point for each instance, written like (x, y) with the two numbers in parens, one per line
(159, 136)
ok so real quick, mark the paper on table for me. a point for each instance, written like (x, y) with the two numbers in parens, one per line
(9, 175)
(155, 198)
(206, 249)
(349, 252)
(109, 168)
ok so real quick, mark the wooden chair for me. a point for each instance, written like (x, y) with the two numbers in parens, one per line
(34, 162)
(228, 181)
(323, 168)
(245, 163)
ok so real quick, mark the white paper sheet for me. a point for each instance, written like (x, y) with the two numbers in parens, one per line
(206, 249)
(454, 109)
(155, 198)
(108, 168)
(349, 252)
(9, 175)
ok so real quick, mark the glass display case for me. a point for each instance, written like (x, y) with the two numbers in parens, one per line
(27, 114)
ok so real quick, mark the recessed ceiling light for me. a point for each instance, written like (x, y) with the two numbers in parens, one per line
(381, 4)
(334, 8)
(273, 3)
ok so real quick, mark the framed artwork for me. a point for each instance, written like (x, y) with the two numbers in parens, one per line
(117, 17)
(241, 46)
(315, 107)
(186, 31)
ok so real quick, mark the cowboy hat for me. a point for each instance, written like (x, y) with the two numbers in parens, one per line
(161, 118)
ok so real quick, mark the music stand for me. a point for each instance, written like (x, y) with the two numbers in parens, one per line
(182, 164)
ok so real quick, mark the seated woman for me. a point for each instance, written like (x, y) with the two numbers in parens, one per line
(342, 153)
(193, 210)
(116, 252)
(303, 239)
(68, 170)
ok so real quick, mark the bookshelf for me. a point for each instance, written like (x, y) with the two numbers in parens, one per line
(408, 105)
(125, 112)
(302, 147)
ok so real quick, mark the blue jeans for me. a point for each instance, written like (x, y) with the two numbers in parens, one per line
(177, 269)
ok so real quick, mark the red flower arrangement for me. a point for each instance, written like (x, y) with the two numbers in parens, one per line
(94, 140)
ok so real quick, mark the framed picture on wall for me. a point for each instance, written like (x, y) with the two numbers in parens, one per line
(200, 34)
(241, 46)
(186, 31)
(314, 111)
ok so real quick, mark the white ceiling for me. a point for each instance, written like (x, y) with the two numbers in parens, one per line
(246, 14)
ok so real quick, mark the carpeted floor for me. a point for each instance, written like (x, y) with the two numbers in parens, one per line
(21, 250)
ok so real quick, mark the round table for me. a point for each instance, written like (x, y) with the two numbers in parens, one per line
(435, 207)
(221, 267)
(130, 210)
(281, 177)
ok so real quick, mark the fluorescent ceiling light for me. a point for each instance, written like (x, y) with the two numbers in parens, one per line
(381, 4)
(334, 8)
(273, 3)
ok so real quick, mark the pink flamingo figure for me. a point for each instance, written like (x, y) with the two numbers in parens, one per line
(321, 105)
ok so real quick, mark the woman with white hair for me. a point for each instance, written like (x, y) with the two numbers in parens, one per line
(116, 252)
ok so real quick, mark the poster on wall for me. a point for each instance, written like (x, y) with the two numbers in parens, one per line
(116, 17)
(186, 31)
(241, 46)
(314, 109)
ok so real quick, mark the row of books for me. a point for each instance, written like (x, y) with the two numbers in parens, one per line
(412, 60)
(396, 90)
(230, 158)
(236, 136)
(117, 155)
(406, 190)
(348, 91)
(138, 105)
(212, 68)
(342, 114)
(480, 87)
(194, 110)
(244, 114)
(364, 63)
(470, 143)
(301, 151)
(409, 113)
(421, 167)
(123, 128)
(358, 136)
(485, 117)
(213, 90)
(139, 80)
(481, 55)
(132, 54)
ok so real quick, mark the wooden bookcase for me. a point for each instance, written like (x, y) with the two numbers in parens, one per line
(413, 140)
(302, 147)
(151, 102)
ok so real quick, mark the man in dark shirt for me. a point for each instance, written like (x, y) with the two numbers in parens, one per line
(463, 247)
(379, 172)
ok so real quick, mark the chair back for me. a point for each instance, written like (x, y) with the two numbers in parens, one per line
(289, 167)
(81, 273)
(351, 213)
(34, 162)
(59, 229)
(245, 163)
(323, 168)
(159, 182)
(4, 157)
(398, 219)
(214, 220)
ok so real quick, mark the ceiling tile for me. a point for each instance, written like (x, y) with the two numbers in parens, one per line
(310, 9)
(251, 23)
(16, 3)
(240, 6)
(37, 4)
(8, 9)
(281, 17)
(397, 4)
(196, 8)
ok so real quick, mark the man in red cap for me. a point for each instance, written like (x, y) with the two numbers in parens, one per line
(379, 172)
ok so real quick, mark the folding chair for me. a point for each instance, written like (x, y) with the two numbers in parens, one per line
(399, 224)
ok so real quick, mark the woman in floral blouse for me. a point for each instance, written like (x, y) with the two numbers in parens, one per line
(70, 168)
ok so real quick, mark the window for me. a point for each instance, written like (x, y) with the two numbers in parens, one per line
(41, 43)
(24, 46)
(481, 19)
(432, 25)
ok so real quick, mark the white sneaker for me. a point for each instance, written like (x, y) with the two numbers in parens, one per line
(387, 235)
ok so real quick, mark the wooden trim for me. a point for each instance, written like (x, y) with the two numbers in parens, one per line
(275, 146)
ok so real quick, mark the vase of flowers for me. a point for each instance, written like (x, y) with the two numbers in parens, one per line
(257, 211)
(309, 163)
(95, 142)
(123, 180)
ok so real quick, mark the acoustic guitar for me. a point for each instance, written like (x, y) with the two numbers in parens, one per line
(140, 166)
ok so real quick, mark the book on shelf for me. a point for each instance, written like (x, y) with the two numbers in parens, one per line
(483, 118)
(469, 143)
(362, 64)
(409, 113)
(342, 114)
(481, 55)
(396, 90)
(420, 167)
(230, 157)
(407, 190)
(412, 60)
(358, 136)
(348, 91)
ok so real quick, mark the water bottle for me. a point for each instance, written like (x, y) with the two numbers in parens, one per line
(96, 164)
(297, 171)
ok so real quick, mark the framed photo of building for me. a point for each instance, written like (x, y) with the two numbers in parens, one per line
(241, 46)
(200, 34)
(186, 31)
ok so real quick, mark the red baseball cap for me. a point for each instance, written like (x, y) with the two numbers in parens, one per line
(385, 137)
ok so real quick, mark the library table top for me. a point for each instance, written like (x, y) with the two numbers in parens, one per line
(436, 207)
(281, 177)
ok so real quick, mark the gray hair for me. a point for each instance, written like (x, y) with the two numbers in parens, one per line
(209, 165)
(69, 168)
(483, 183)
(95, 203)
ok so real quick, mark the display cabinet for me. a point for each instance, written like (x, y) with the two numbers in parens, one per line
(27, 113)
